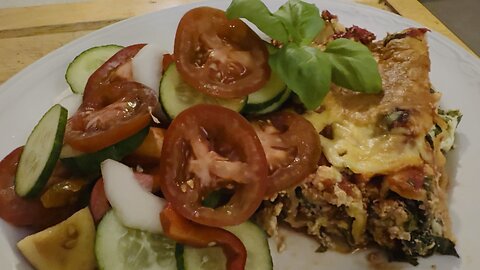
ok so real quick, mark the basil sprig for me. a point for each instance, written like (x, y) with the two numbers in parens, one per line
(307, 70)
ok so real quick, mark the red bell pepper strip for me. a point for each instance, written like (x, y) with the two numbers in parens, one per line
(190, 233)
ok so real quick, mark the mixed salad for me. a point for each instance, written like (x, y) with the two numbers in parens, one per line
(165, 156)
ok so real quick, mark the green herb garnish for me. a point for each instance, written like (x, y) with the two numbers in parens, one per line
(308, 70)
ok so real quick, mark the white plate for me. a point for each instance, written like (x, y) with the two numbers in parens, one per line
(456, 73)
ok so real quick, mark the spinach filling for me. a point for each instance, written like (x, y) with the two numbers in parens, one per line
(423, 242)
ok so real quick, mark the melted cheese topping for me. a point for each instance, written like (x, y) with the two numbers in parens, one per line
(357, 148)
(359, 141)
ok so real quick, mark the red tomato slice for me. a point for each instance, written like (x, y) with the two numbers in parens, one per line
(117, 68)
(99, 204)
(28, 212)
(113, 107)
(292, 147)
(167, 60)
(207, 148)
(117, 111)
(220, 57)
(187, 232)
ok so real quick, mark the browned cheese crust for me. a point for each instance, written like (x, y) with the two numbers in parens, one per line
(381, 180)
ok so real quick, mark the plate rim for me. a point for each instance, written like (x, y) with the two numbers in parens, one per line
(6, 87)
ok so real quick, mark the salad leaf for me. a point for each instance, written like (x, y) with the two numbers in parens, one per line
(306, 70)
(302, 20)
(295, 21)
(353, 66)
(256, 12)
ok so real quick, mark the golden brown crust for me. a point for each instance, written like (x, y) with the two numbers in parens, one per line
(383, 181)
(404, 66)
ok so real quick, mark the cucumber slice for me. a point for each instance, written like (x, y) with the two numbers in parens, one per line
(252, 236)
(274, 106)
(179, 256)
(89, 163)
(266, 96)
(176, 95)
(80, 69)
(41, 152)
(120, 248)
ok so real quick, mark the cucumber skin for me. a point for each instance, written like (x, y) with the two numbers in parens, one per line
(263, 98)
(89, 164)
(254, 108)
(47, 171)
(179, 248)
(182, 265)
(274, 106)
(104, 231)
(264, 238)
(163, 102)
(76, 91)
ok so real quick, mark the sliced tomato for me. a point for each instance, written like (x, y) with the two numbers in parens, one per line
(167, 60)
(220, 57)
(117, 111)
(117, 68)
(28, 212)
(292, 147)
(99, 204)
(208, 148)
(187, 232)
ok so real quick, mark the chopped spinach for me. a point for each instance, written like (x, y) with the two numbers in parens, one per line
(423, 242)
(445, 246)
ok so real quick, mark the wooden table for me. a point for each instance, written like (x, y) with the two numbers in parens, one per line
(28, 33)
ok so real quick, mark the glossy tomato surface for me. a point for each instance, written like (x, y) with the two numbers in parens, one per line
(292, 147)
(220, 57)
(117, 111)
(208, 148)
(28, 212)
(116, 68)
(113, 107)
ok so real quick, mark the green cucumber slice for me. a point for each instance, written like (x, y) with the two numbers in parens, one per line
(176, 95)
(252, 236)
(41, 152)
(80, 69)
(275, 106)
(89, 163)
(266, 96)
(120, 248)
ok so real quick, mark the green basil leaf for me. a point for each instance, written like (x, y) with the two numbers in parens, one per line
(256, 12)
(353, 66)
(305, 70)
(302, 20)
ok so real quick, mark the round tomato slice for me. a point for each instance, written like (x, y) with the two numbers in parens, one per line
(28, 212)
(208, 148)
(220, 57)
(117, 111)
(117, 68)
(292, 147)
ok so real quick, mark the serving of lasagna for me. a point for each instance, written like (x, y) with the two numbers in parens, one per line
(381, 180)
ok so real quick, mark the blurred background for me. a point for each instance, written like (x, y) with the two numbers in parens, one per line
(462, 17)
